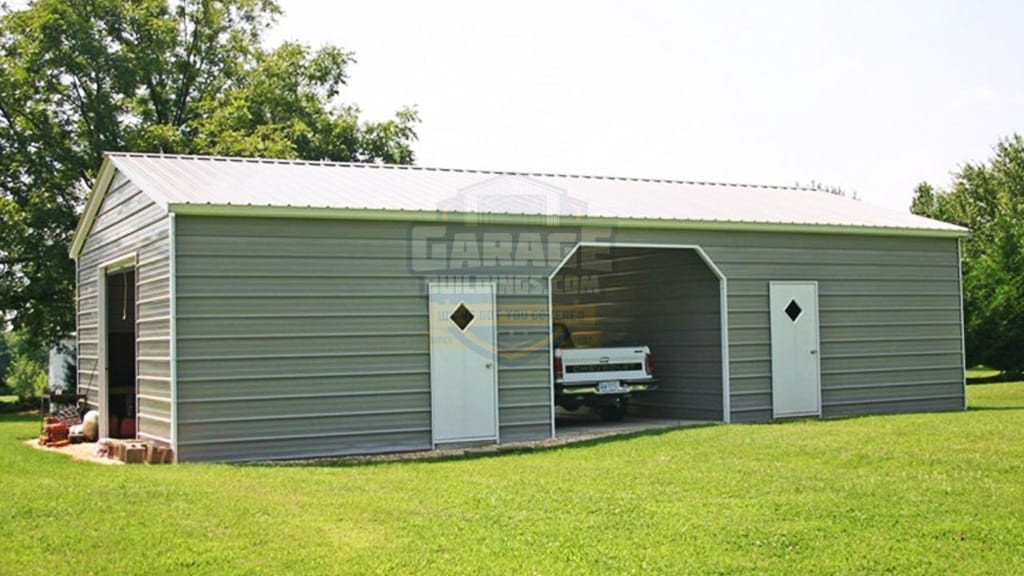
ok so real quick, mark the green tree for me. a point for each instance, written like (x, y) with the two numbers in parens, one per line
(5, 361)
(989, 199)
(190, 76)
(26, 374)
(924, 200)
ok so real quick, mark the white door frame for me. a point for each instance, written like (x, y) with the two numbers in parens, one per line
(723, 308)
(960, 292)
(494, 366)
(816, 351)
(104, 270)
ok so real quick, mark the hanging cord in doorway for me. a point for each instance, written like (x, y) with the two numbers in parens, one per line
(124, 303)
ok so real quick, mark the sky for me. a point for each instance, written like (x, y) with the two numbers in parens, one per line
(872, 97)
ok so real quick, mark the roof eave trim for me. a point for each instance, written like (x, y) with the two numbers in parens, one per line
(424, 216)
(92, 207)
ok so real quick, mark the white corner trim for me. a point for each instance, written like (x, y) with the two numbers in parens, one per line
(92, 207)
(723, 310)
(963, 328)
(173, 336)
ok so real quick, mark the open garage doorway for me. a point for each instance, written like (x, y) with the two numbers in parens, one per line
(668, 298)
(118, 390)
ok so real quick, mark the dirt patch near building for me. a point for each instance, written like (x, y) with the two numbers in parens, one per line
(84, 452)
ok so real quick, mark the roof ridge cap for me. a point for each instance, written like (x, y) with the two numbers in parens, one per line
(380, 166)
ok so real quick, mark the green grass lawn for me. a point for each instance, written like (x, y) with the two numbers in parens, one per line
(916, 494)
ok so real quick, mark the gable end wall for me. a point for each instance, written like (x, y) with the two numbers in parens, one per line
(129, 223)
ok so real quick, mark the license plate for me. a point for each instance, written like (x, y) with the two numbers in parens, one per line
(612, 387)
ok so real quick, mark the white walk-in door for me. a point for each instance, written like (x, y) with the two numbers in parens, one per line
(796, 377)
(463, 371)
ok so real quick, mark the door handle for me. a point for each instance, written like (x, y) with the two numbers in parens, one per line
(488, 365)
(814, 351)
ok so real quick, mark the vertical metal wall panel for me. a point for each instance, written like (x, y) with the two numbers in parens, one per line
(302, 338)
(889, 325)
(272, 311)
(298, 339)
(524, 394)
(129, 222)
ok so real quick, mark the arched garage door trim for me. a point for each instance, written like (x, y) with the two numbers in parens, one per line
(723, 292)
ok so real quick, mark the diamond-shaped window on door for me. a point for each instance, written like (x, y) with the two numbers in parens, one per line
(793, 310)
(462, 317)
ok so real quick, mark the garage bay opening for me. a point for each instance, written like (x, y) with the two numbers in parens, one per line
(121, 392)
(636, 337)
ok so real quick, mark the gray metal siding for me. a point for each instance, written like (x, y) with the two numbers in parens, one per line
(889, 316)
(310, 338)
(128, 222)
(524, 391)
(296, 339)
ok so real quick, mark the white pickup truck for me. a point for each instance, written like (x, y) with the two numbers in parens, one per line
(601, 378)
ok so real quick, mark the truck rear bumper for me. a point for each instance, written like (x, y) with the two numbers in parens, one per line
(599, 388)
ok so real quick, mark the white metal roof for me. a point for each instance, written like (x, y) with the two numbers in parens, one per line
(188, 181)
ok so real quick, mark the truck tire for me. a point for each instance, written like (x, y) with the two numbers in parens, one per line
(615, 410)
(570, 404)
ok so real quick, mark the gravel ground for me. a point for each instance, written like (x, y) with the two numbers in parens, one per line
(86, 452)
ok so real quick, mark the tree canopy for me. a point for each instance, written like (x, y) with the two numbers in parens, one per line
(191, 77)
(989, 199)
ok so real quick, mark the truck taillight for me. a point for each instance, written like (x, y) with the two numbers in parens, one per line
(558, 367)
(649, 364)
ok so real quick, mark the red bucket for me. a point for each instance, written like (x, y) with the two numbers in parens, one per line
(128, 428)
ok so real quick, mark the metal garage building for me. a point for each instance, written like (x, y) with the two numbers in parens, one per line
(245, 309)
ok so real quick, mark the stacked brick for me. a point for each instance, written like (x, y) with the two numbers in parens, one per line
(55, 433)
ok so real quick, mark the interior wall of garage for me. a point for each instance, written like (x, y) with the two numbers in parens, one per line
(667, 299)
